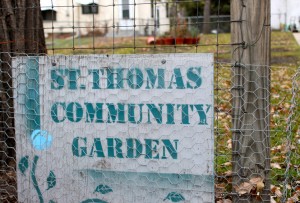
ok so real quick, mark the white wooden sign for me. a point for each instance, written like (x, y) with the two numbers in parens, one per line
(120, 128)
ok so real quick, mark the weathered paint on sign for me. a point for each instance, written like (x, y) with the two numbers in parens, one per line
(120, 128)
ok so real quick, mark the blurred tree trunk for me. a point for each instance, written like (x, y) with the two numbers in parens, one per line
(206, 24)
(251, 52)
(21, 33)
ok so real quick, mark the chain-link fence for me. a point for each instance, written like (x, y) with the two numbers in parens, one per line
(99, 107)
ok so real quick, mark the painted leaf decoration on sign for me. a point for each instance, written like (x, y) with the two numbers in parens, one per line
(51, 180)
(95, 200)
(103, 189)
(174, 197)
(23, 164)
(51, 201)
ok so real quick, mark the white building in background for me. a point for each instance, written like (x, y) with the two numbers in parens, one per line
(285, 13)
(112, 17)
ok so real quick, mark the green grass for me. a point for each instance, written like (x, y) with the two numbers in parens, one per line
(101, 45)
(285, 61)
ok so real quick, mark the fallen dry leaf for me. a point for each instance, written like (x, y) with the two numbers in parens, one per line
(276, 157)
(286, 147)
(294, 198)
(228, 173)
(227, 128)
(276, 148)
(258, 184)
(259, 187)
(278, 193)
(275, 165)
(220, 190)
(276, 190)
(273, 188)
(255, 185)
(256, 180)
(227, 164)
(229, 144)
(285, 86)
(273, 200)
(224, 201)
(243, 188)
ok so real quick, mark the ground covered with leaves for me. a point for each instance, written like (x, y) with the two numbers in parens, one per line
(284, 129)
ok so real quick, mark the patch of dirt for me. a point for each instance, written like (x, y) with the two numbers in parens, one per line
(284, 60)
(281, 49)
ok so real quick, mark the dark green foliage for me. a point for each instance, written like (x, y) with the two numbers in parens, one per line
(221, 7)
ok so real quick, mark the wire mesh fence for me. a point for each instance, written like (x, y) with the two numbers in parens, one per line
(291, 183)
(110, 28)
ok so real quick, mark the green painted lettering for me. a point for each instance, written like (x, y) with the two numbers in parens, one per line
(74, 112)
(152, 78)
(134, 148)
(97, 148)
(170, 148)
(156, 113)
(54, 111)
(178, 79)
(114, 147)
(170, 113)
(202, 113)
(113, 113)
(184, 113)
(115, 78)
(91, 111)
(79, 150)
(73, 77)
(131, 113)
(135, 78)
(57, 79)
(96, 77)
(193, 74)
(150, 149)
